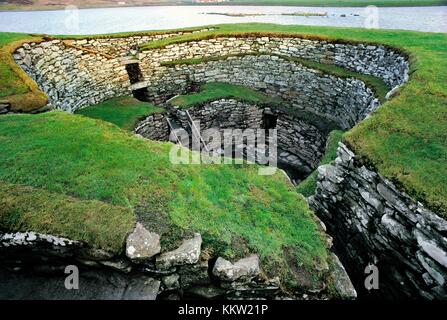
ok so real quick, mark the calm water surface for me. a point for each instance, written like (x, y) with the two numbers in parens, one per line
(109, 20)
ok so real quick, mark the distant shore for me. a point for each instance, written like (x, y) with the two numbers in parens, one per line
(301, 3)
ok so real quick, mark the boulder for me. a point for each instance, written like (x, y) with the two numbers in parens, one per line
(142, 244)
(187, 253)
(243, 269)
(342, 283)
(207, 292)
(432, 248)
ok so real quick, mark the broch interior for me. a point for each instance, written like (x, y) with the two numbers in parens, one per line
(78, 73)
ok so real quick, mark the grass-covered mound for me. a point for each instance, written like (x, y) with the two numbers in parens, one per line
(76, 164)
(124, 111)
(406, 138)
(97, 223)
(16, 87)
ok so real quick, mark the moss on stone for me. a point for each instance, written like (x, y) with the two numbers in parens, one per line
(308, 186)
(376, 84)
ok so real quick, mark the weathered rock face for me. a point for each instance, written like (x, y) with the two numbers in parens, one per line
(374, 223)
(142, 244)
(78, 73)
(300, 143)
(223, 113)
(342, 282)
(244, 269)
(93, 285)
(31, 270)
(4, 107)
(379, 61)
(187, 253)
(12, 244)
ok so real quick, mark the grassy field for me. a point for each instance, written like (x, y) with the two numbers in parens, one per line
(124, 111)
(89, 163)
(97, 223)
(406, 138)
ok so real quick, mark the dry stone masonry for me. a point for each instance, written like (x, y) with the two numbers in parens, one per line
(371, 220)
(89, 71)
(143, 272)
(375, 223)
(342, 101)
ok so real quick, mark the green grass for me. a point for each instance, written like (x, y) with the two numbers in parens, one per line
(10, 83)
(376, 84)
(124, 111)
(308, 186)
(406, 138)
(219, 90)
(75, 163)
(99, 224)
(83, 159)
(16, 88)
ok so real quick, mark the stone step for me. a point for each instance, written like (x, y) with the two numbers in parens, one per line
(139, 85)
(129, 60)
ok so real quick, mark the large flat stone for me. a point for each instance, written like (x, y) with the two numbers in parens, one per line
(342, 282)
(187, 253)
(243, 269)
(431, 248)
(142, 244)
